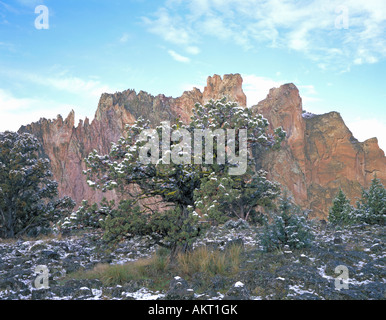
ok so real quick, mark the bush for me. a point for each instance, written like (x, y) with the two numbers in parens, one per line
(165, 229)
(371, 208)
(87, 216)
(287, 228)
(28, 196)
(341, 211)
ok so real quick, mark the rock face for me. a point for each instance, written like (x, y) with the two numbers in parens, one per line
(67, 146)
(319, 156)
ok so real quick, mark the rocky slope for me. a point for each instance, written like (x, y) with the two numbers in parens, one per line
(307, 274)
(319, 156)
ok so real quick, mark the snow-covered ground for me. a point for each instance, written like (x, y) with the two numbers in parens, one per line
(288, 274)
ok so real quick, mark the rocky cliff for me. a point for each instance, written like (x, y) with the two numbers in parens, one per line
(319, 156)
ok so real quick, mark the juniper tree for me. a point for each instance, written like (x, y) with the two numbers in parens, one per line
(341, 211)
(288, 227)
(222, 195)
(28, 195)
(371, 208)
(142, 166)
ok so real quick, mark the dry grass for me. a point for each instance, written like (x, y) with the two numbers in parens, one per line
(209, 261)
(159, 268)
(122, 273)
(32, 239)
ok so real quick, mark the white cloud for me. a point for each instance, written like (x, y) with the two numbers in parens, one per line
(256, 88)
(62, 81)
(16, 112)
(178, 57)
(305, 26)
(193, 50)
(308, 89)
(9, 103)
(172, 29)
(364, 129)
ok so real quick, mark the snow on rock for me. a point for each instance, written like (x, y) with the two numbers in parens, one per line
(302, 274)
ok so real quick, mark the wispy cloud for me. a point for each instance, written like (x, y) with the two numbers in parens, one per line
(310, 27)
(30, 3)
(178, 57)
(80, 95)
(192, 50)
(62, 81)
(256, 88)
(364, 129)
(171, 28)
(124, 38)
(22, 111)
(7, 45)
(8, 7)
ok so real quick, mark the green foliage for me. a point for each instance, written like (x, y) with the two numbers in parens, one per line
(371, 208)
(87, 216)
(222, 196)
(179, 178)
(235, 196)
(288, 227)
(341, 211)
(28, 196)
(166, 228)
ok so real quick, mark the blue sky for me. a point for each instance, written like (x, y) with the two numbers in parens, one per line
(333, 51)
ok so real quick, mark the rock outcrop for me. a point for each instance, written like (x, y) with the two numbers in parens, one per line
(319, 156)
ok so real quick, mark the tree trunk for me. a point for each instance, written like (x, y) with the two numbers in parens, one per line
(10, 231)
(242, 213)
(178, 248)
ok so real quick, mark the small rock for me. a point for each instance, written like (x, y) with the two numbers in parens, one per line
(50, 254)
(83, 293)
(234, 242)
(114, 292)
(41, 294)
(238, 292)
(376, 248)
(179, 290)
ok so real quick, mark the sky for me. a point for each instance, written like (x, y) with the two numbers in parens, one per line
(59, 55)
